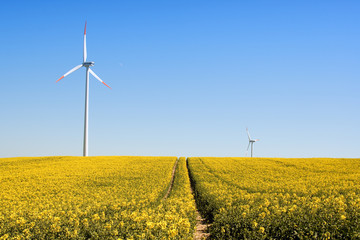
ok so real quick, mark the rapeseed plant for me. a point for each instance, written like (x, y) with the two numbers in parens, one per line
(94, 197)
(261, 198)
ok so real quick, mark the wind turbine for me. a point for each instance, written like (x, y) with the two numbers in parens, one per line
(87, 65)
(251, 141)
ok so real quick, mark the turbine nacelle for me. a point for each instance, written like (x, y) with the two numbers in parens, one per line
(88, 64)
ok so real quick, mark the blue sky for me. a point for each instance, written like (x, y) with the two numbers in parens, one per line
(187, 78)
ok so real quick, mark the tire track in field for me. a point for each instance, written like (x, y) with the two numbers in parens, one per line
(201, 228)
(171, 181)
(228, 182)
(202, 224)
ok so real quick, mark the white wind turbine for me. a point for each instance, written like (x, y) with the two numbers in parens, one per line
(87, 65)
(251, 141)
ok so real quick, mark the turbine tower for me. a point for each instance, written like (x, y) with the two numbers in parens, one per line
(87, 65)
(251, 141)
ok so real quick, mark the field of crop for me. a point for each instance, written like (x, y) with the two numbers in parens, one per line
(128, 198)
(278, 198)
(95, 198)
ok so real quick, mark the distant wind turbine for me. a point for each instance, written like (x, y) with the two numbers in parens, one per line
(251, 141)
(87, 65)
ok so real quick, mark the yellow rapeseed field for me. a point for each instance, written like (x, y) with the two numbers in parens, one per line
(94, 198)
(260, 198)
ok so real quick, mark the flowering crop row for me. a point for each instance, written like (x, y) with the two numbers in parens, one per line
(258, 198)
(94, 198)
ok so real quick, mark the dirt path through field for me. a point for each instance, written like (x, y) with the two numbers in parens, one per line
(172, 180)
(201, 231)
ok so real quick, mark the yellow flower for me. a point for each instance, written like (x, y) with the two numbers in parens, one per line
(150, 225)
(262, 215)
(85, 222)
(96, 217)
(4, 237)
(55, 228)
(108, 226)
(173, 232)
(254, 223)
(21, 221)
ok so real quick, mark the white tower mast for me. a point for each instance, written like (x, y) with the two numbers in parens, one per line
(86, 117)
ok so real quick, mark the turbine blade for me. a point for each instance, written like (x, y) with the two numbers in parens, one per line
(247, 150)
(248, 147)
(72, 70)
(248, 133)
(257, 140)
(85, 53)
(96, 76)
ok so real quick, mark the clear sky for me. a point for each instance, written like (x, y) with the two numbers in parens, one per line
(187, 77)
